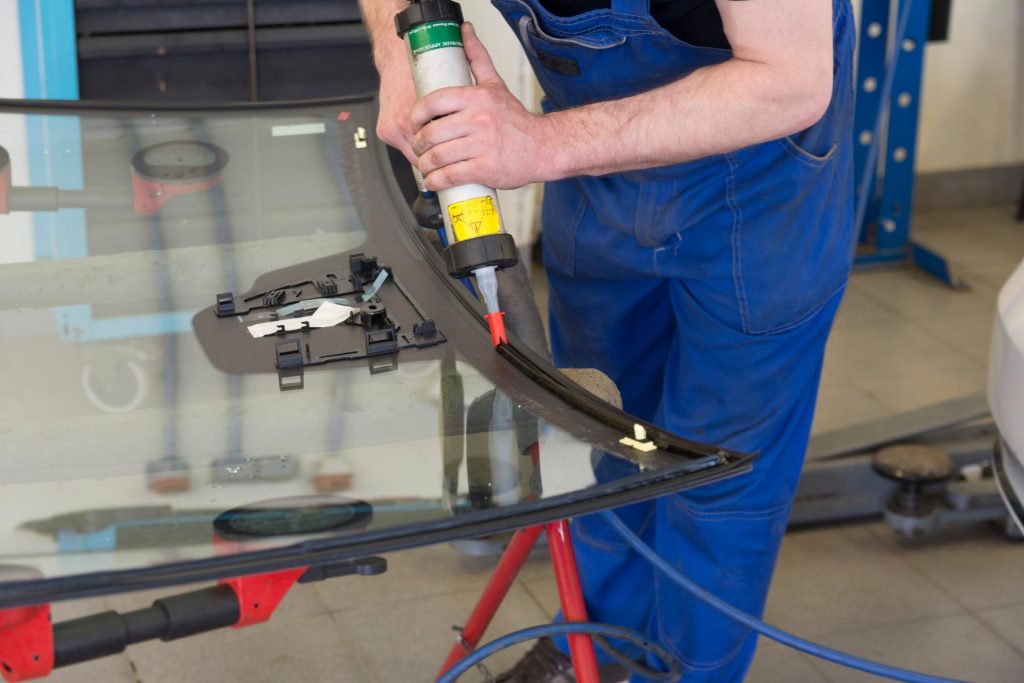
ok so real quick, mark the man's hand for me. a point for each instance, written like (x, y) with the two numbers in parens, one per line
(397, 93)
(481, 133)
(397, 97)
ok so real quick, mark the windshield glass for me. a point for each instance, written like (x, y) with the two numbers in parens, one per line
(143, 422)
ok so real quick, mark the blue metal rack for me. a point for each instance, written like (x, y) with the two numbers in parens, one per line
(890, 69)
(50, 70)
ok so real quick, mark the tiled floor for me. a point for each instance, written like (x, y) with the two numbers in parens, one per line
(952, 604)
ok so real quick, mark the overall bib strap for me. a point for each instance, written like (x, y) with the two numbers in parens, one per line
(641, 7)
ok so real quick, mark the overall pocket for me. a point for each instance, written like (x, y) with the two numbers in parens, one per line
(817, 145)
(791, 235)
(561, 214)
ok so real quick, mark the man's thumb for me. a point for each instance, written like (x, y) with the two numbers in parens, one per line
(479, 61)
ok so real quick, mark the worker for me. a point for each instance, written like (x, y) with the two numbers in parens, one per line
(697, 235)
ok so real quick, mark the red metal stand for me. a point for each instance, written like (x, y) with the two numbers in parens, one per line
(581, 647)
(27, 640)
(259, 595)
(26, 643)
(150, 195)
(5, 186)
(567, 578)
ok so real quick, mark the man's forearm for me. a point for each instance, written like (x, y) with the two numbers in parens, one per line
(379, 18)
(778, 82)
(397, 93)
(715, 110)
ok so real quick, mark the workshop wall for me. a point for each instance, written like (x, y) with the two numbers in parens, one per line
(10, 51)
(973, 101)
(16, 244)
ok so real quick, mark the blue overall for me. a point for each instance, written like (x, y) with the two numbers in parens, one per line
(706, 290)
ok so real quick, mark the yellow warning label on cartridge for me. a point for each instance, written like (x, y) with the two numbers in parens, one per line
(474, 217)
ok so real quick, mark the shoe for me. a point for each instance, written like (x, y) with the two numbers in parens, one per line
(545, 663)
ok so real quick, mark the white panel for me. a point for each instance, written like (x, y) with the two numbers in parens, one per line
(973, 102)
(15, 229)
(10, 51)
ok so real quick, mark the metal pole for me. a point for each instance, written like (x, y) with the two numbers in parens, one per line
(567, 578)
(250, 17)
(494, 592)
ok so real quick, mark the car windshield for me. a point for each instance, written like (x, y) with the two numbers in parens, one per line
(146, 417)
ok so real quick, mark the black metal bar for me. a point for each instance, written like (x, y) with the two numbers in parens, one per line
(218, 41)
(178, 616)
(174, 617)
(938, 31)
(1020, 210)
(250, 18)
(112, 17)
(23, 106)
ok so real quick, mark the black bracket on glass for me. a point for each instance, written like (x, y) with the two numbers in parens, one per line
(289, 364)
(374, 330)
(327, 284)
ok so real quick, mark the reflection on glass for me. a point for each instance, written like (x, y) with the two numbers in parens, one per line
(121, 442)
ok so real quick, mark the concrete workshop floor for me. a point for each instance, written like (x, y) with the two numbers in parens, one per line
(952, 604)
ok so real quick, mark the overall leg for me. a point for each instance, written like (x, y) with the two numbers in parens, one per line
(619, 328)
(755, 290)
(753, 393)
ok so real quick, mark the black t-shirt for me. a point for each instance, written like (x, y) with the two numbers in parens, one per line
(695, 21)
